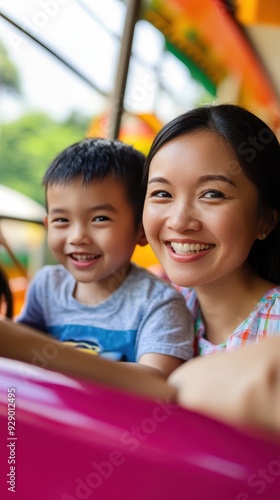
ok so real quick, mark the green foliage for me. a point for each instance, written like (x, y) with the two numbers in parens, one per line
(9, 77)
(29, 144)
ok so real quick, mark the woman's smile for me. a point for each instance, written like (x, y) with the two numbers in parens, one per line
(189, 248)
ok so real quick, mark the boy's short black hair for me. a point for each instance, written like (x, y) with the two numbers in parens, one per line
(97, 158)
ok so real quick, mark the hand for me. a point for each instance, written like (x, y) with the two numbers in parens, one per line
(241, 387)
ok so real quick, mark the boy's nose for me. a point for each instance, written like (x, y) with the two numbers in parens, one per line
(79, 235)
(184, 218)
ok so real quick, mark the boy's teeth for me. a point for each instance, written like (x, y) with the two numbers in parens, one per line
(78, 256)
(186, 248)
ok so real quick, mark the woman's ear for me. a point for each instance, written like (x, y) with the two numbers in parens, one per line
(270, 221)
(142, 240)
(276, 218)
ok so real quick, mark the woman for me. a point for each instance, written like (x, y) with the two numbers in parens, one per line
(211, 216)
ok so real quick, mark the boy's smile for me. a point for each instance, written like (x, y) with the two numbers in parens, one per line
(92, 232)
(82, 260)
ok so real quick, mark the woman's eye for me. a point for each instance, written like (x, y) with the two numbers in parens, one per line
(213, 194)
(160, 194)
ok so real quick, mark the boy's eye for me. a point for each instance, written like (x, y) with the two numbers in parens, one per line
(212, 194)
(100, 218)
(60, 220)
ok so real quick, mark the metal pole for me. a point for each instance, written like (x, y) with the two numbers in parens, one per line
(55, 54)
(122, 70)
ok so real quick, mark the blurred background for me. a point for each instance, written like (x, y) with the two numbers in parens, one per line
(76, 68)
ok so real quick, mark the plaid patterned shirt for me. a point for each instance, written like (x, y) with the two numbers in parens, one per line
(263, 321)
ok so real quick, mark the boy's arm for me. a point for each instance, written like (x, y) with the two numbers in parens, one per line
(162, 363)
(25, 344)
(166, 335)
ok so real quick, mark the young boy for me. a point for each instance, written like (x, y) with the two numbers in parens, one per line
(96, 298)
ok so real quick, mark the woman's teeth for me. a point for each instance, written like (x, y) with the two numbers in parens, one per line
(188, 248)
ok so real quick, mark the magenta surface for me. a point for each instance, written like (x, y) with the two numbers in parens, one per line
(74, 440)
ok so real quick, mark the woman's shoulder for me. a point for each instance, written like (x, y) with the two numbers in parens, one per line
(269, 305)
(264, 321)
(266, 315)
(271, 297)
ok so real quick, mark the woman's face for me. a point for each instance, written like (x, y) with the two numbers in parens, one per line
(201, 214)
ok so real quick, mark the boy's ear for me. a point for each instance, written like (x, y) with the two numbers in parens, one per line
(45, 221)
(142, 240)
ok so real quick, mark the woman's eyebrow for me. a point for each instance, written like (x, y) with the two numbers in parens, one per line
(213, 177)
(201, 180)
(159, 179)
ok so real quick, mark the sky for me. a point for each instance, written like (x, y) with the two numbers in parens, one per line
(69, 29)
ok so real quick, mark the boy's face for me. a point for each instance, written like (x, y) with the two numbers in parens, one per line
(91, 231)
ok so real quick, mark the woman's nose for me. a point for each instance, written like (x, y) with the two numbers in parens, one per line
(184, 218)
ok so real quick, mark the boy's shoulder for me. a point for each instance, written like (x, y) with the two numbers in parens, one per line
(52, 273)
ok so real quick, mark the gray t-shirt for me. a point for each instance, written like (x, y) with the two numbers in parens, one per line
(143, 315)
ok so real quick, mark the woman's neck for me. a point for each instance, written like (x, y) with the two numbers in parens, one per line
(226, 304)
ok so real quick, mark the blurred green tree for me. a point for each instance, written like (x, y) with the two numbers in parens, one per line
(9, 75)
(30, 143)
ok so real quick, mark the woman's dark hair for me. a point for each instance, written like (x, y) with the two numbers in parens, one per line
(257, 152)
(6, 297)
